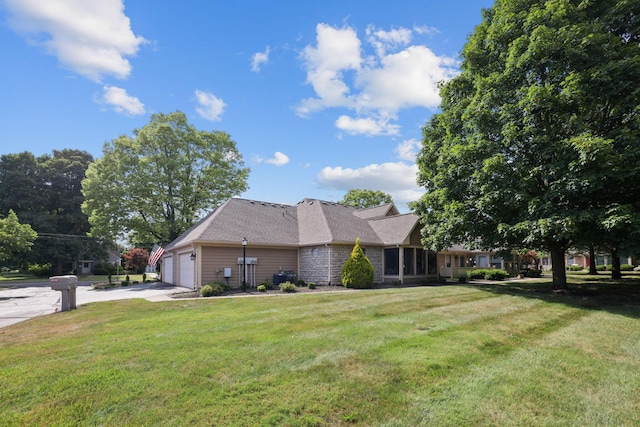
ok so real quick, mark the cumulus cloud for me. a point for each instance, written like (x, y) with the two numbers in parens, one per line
(121, 102)
(91, 38)
(397, 179)
(337, 50)
(383, 40)
(377, 86)
(258, 59)
(366, 126)
(278, 159)
(408, 149)
(210, 107)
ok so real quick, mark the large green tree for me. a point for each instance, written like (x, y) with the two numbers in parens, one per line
(537, 139)
(45, 192)
(362, 198)
(14, 237)
(154, 185)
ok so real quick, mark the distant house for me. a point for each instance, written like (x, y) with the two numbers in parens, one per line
(312, 238)
(86, 266)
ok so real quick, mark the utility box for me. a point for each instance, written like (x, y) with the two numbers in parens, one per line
(67, 286)
(227, 272)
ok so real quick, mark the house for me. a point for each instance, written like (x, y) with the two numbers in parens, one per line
(312, 238)
(86, 266)
(456, 260)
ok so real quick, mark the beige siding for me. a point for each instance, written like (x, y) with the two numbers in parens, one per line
(215, 259)
(415, 237)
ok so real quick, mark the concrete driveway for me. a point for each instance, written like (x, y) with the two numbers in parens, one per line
(26, 300)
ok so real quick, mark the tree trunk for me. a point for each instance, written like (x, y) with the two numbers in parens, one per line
(592, 261)
(557, 264)
(616, 274)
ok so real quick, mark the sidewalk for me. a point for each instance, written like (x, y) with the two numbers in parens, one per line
(25, 301)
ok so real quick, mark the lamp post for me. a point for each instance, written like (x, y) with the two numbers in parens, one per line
(244, 264)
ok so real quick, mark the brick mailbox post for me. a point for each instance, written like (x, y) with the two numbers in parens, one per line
(67, 285)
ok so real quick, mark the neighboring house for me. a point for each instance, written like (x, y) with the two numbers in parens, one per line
(312, 238)
(85, 266)
(576, 258)
(456, 260)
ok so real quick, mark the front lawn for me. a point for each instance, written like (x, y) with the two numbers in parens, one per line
(508, 354)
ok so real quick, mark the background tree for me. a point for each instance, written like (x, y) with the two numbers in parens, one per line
(45, 192)
(154, 185)
(362, 198)
(537, 141)
(14, 237)
(136, 259)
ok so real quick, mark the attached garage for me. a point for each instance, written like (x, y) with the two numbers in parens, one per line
(167, 270)
(186, 276)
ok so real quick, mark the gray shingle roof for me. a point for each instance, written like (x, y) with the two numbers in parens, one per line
(310, 222)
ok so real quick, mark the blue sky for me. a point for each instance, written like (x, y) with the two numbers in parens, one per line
(320, 97)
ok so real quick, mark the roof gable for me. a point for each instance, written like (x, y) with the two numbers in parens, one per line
(310, 222)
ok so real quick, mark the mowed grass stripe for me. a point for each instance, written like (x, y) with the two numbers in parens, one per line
(557, 379)
(421, 356)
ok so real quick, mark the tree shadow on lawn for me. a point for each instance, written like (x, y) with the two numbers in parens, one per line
(587, 292)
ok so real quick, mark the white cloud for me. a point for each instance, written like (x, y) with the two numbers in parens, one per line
(384, 40)
(209, 106)
(404, 80)
(376, 87)
(121, 101)
(258, 59)
(408, 149)
(92, 38)
(366, 126)
(397, 179)
(278, 159)
(338, 50)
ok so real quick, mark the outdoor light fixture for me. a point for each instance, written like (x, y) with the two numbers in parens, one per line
(193, 256)
(244, 264)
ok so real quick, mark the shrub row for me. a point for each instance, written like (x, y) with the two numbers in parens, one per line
(487, 274)
(213, 288)
(531, 272)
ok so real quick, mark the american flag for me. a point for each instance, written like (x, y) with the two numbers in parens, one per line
(156, 253)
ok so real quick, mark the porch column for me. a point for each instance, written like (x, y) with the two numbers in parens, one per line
(401, 264)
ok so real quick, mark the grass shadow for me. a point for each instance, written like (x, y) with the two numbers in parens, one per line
(583, 291)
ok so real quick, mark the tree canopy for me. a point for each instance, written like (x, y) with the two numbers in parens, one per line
(152, 186)
(14, 237)
(361, 198)
(537, 141)
(45, 192)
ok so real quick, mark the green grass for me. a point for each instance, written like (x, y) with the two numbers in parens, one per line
(508, 354)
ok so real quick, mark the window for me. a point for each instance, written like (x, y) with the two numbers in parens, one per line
(420, 261)
(392, 261)
(408, 261)
(432, 263)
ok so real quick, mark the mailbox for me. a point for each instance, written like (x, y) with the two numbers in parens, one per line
(67, 286)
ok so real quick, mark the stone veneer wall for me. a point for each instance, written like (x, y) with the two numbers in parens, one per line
(340, 255)
(316, 261)
(314, 264)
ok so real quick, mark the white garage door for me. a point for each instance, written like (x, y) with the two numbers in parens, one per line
(186, 271)
(167, 270)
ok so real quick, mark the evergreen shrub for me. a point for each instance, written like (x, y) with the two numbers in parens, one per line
(357, 271)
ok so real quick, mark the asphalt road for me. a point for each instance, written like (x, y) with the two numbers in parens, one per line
(20, 302)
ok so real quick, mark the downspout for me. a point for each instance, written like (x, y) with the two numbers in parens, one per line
(330, 263)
